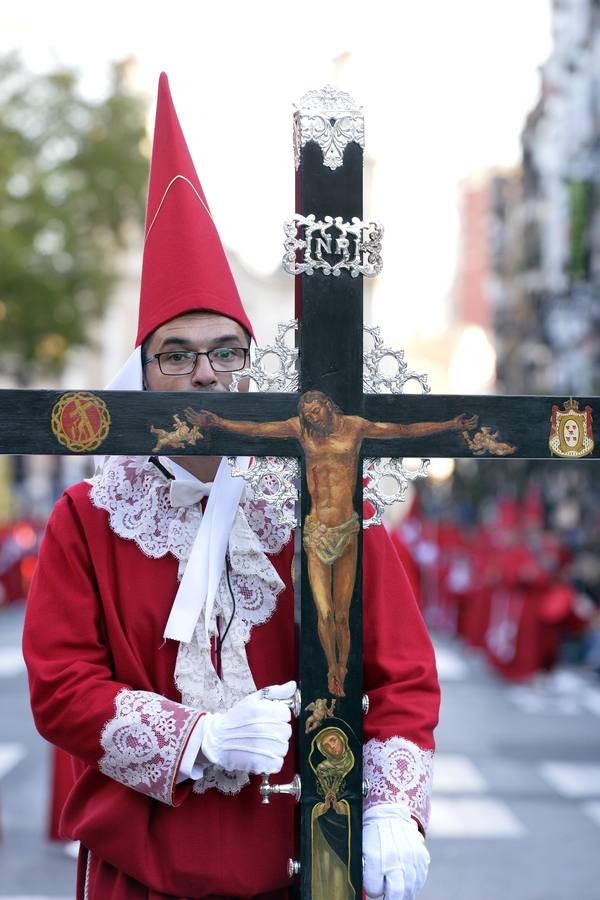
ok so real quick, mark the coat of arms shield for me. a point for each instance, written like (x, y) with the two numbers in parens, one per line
(571, 431)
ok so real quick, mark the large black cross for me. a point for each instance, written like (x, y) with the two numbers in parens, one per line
(331, 259)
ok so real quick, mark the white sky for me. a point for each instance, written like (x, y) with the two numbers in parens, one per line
(445, 85)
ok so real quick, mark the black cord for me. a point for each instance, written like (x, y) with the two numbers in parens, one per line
(227, 567)
(154, 460)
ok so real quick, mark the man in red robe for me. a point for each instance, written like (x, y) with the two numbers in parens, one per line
(159, 630)
(532, 603)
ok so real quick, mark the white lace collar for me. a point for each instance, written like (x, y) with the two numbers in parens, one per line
(136, 496)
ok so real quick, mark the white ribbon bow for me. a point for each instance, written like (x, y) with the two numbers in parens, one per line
(203, 570)
(187, 493)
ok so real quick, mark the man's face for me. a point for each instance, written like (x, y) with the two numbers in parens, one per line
(202, 331)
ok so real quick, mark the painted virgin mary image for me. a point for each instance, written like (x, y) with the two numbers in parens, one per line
(330, 821)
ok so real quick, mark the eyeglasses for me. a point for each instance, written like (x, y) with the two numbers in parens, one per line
(183, 362)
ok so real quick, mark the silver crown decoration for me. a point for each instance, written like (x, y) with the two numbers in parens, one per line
(330, 118)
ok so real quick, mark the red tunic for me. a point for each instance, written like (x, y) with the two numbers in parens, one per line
(93, 635)
(409, 565)
(530, 609)
(61, 783)
(475, 610)
(512, 636)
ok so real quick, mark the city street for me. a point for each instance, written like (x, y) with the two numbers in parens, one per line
(516, 811)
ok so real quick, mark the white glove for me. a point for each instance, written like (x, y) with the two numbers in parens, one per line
(253, 735)
(395, 857)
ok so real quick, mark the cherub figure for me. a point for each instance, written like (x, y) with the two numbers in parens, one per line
(486, 442)
(180, 435)
(319, 710)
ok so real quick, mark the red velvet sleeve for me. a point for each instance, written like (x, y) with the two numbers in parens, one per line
(136, 737)
(400, 679)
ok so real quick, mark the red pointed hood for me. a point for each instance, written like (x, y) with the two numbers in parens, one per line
(184, 266)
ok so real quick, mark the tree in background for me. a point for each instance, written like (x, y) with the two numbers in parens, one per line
(73, 175)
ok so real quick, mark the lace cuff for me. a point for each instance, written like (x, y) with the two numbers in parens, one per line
(398, 770)
(144, 742)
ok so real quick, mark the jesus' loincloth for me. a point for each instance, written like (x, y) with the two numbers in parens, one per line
(328, 541)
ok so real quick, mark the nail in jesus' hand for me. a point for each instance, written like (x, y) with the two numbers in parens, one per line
(465, 423)
(204, 418)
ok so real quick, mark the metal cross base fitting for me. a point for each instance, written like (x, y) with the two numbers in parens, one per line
(293, 788)
(293, 867)
(295, 703)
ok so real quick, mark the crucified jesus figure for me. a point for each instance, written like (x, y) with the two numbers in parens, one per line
(331, 442)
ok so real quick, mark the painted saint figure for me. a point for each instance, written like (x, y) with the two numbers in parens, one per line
(331, 442)
(331, 817)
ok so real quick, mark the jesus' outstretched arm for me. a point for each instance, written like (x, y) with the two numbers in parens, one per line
(206, 419)
(417, 429)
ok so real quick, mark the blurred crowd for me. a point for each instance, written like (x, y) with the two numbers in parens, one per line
(507, 585)
(19, 543)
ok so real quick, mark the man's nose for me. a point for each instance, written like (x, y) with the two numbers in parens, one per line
(203, 373)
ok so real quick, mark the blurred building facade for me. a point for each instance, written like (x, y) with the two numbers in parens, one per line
(544, 226)
(529, 267)
(472, 301)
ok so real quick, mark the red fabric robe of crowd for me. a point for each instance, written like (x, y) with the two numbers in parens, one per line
(93, 633)
(528, 610)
